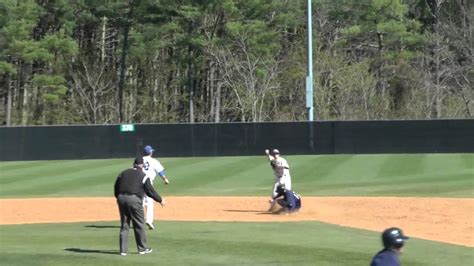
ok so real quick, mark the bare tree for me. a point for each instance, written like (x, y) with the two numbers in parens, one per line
(92, 91)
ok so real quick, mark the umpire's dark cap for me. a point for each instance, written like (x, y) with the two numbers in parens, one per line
(138, 160)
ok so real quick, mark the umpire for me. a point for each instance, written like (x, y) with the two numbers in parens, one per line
(129, 189)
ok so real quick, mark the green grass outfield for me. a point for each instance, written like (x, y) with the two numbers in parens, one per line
(431, 175)
(199, 243)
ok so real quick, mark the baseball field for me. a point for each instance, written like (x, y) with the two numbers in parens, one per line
(63, 212)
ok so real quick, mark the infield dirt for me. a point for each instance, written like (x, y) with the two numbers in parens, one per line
(449, 220)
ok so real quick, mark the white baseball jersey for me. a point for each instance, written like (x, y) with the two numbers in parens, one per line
(151, 167)
(281, 169)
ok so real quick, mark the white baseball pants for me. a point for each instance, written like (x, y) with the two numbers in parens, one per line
(149, 205)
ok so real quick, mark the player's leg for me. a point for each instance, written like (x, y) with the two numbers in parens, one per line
(282, 203)
(124, 223)
(286, 180)
(150, 209)
(275, 186)
(136, 215)
(284, 206)
(274, 194)
(298, 203)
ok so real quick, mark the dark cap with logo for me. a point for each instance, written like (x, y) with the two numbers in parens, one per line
(138, 160)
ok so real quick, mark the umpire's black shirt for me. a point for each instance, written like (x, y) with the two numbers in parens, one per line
(130, 182)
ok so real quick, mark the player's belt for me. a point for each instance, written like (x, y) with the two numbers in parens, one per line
(129, 194)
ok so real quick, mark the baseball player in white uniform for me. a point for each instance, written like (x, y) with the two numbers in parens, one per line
(151, 167)
(281, 169)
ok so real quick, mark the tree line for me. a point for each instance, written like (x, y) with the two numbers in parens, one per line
(160, 61)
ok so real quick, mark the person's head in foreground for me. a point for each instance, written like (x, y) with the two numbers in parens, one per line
(393, 241)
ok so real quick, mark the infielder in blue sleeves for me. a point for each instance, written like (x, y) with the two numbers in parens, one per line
(151, 168)
(288, 199)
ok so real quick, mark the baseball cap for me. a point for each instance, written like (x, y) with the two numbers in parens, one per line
(275, 151)
(148, 149)
(138, 160)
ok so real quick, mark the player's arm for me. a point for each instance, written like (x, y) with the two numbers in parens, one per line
(269, 156)
(151, 192)
(275, 194)
(160, 170)
(116, 186)
(163, 176)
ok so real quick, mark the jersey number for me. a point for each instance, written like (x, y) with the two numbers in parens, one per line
(146, 166)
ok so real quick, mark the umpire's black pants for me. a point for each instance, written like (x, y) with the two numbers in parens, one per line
(131, 209)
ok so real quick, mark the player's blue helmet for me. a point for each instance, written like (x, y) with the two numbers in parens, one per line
(393, 237)
(148, 149)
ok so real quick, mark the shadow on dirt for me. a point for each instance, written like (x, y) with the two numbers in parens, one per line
(102, 226)
(260, 212)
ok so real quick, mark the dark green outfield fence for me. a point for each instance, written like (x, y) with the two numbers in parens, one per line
(232, 139)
